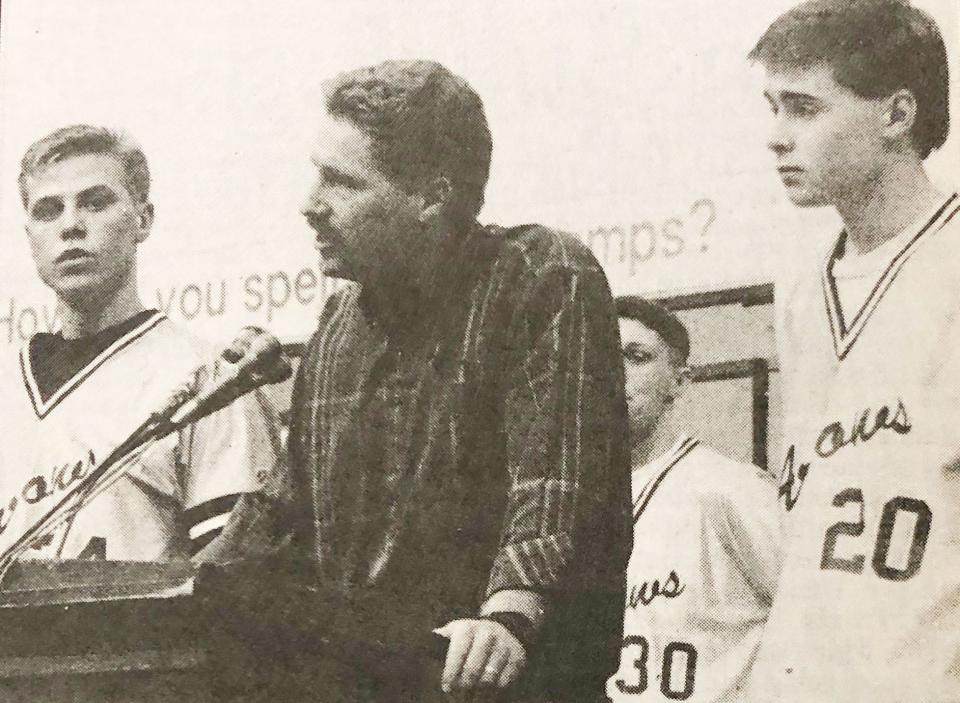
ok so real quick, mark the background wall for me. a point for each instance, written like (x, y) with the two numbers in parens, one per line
(637, 125)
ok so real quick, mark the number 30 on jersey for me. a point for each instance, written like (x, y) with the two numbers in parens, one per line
(677, 673)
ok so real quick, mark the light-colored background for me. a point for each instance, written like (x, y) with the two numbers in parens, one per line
(640, 116)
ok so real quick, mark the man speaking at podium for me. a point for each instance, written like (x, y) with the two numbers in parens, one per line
(71, 397)
(458, 421)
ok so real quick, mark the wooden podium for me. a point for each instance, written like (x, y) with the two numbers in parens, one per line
(102, 631)
(133, 632)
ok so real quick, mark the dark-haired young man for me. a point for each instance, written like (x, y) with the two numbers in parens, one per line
(706, 535)
(71, 397)
(458, 421)
(868, 608)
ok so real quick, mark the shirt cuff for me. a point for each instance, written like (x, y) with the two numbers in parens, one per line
(527, 603)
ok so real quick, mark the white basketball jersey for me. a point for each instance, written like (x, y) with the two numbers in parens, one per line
(173, 494)
(705, 558)
(868, 608)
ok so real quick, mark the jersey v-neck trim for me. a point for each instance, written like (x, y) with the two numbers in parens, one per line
(844, 335)
(682, 448)
(43, 407)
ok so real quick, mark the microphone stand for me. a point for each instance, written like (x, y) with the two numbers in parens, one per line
(153, 429)
(183, 408)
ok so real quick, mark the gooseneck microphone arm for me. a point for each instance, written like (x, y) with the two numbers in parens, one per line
(255, 358)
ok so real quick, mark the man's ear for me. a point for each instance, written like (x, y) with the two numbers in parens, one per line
(900, 115)
(144, 222)
(682, 377)
(435, 196)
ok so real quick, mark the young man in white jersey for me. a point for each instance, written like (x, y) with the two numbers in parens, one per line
(706, 536)
(70, 398)
(868, 608)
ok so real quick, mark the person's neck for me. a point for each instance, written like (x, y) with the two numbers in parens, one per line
(893, 202)
(657, 443)
(83, 318)
(402, 293)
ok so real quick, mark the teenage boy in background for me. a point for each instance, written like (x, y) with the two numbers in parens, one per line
(706, 535)
(868, 608)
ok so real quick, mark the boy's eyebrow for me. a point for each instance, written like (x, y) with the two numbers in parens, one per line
(332, 172)
(99, 189)
(794, 95)
(329, 170)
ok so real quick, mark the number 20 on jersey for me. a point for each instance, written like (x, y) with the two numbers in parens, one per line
(842, 537)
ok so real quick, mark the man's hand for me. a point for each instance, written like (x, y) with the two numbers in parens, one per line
(482, 653)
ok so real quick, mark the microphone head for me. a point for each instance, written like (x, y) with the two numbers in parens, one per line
(251, 341)
(259, 356)
(253, 359)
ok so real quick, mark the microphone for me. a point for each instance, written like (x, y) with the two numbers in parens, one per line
(253, 359)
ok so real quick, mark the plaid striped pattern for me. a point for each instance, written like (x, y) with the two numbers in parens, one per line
(469, 437)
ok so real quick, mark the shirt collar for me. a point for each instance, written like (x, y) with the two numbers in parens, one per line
(403, 306)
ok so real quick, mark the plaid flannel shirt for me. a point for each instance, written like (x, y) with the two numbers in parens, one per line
(468, 436)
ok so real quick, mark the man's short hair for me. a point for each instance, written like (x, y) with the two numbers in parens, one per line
(424, 122)
(661, 320)
(874, 48)
(79, 140)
